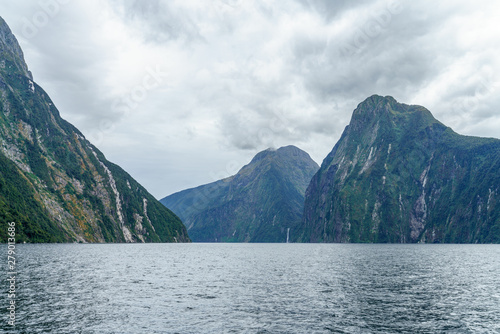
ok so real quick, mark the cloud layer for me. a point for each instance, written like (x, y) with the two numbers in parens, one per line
(180, 93)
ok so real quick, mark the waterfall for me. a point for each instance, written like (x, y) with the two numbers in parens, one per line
(287, 234)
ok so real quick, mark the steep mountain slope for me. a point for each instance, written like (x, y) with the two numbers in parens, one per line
(57, 186)
(258, 204)
(399, 175)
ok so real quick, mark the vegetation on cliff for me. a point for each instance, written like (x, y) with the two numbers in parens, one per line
(399, 175)
(54, 183)
(263, 202)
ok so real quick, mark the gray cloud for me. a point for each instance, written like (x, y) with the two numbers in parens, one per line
(158, 21)
(330, 10)
(240, 76)
(356, 62)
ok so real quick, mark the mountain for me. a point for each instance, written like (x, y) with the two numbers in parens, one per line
(54, 184)
(263, 202)
(399, 175)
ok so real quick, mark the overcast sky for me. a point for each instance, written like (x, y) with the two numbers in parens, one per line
(182, 93)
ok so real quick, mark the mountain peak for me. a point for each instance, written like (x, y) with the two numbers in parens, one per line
(384, 111)
(399, 175)
(263, 201)
(282, 152)
(11, 55)
(376, 105)
(290, 149)
(375, 99)
(54, 183)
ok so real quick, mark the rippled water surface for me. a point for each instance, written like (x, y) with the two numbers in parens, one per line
(256, 288)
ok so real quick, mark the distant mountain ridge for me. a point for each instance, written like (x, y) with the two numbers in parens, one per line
(263, 202)
(54, 183)
(399, 175)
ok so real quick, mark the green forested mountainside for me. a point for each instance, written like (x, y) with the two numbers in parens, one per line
(263, 202)
(54, 183)
(399, 175)
(18, 204)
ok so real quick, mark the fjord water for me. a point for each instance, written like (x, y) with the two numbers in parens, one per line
(256, 288)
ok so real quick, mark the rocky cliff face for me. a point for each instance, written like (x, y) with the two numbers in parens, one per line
(54, 183)
(263, 202)
(399, 175)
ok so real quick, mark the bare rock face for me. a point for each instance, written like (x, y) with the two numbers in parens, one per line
(399, 175)
(54, 183)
